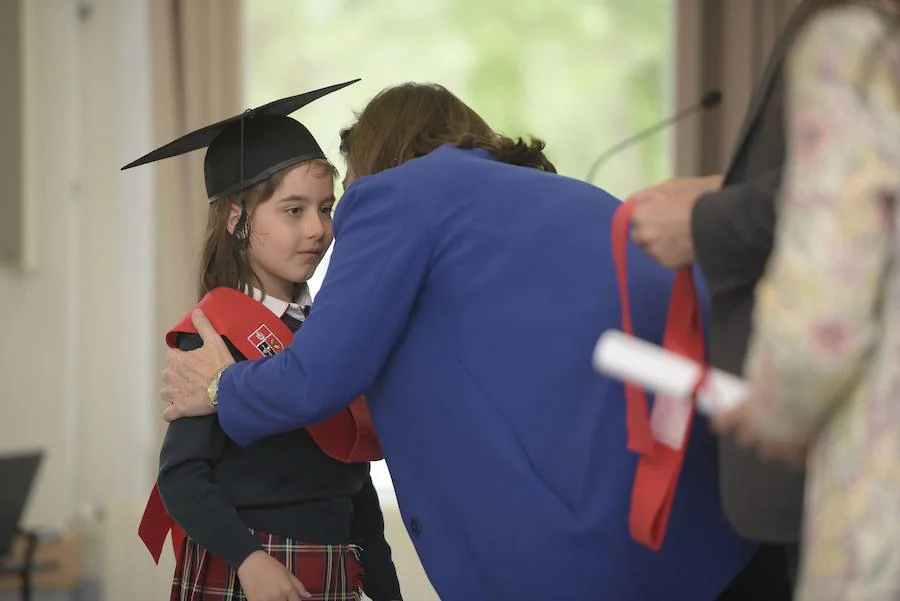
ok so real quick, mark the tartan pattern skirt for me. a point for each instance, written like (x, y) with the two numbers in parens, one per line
(329, 572)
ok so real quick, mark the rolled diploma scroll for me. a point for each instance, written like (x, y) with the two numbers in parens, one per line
(663, 372)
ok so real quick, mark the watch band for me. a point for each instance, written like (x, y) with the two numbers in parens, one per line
(212, 390)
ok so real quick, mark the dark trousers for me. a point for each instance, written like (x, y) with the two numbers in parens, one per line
(770, 576)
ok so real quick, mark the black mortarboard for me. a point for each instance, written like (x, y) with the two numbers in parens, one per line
(248, 148)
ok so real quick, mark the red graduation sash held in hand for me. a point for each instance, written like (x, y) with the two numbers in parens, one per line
(660, 439)
(347, 436)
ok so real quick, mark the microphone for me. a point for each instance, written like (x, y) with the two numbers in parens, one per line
(710, 99)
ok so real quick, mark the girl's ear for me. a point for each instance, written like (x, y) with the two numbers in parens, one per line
(233, 217)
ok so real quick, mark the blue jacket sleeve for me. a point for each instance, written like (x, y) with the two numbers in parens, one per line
(380, 258)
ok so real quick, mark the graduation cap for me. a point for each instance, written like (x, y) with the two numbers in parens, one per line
(248, 148)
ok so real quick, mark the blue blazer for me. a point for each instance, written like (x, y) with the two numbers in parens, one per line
(464, 298)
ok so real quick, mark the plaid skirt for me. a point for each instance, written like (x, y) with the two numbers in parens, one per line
(329, 572)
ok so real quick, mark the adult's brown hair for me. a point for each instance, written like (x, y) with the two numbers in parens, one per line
(412, 119)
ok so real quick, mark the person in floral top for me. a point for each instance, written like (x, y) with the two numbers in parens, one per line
(824, 358)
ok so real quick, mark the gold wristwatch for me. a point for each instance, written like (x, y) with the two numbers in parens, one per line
(212, 390)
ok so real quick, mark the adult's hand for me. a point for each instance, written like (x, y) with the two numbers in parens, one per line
(188, 375)
(661, 221)
(739, 423)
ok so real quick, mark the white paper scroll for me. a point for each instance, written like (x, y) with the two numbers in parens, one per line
(665, 373)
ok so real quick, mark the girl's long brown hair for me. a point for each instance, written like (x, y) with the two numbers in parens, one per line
(411, 120)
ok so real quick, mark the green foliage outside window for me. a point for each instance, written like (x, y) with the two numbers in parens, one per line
(581, 74)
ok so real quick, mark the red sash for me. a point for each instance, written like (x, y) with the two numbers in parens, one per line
(346, 436)
(659, 465)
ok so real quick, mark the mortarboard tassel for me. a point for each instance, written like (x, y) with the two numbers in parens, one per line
(242, 227)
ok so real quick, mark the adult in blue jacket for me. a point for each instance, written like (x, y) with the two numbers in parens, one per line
(467, 288)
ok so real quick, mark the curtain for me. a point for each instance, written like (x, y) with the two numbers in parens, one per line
(720, 44)
(198, 80)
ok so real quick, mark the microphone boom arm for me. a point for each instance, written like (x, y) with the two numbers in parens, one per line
(710, 99)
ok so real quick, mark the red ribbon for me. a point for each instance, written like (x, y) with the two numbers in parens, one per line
(659, 465)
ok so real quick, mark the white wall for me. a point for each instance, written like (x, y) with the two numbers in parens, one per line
(73, 349)
(35, 338)
(76, 369)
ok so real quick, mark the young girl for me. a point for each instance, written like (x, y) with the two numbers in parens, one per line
(281, 519)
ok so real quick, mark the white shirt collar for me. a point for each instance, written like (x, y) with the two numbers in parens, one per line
(280, 307)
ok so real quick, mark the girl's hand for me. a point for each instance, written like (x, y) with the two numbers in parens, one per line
(264, 578)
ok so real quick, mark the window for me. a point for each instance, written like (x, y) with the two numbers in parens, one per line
(581, 75)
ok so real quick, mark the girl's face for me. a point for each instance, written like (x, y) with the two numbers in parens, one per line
(292, 230)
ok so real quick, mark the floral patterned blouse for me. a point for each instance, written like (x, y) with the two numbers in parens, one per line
(824, 362)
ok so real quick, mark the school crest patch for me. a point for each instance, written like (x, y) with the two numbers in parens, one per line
(265, 341)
